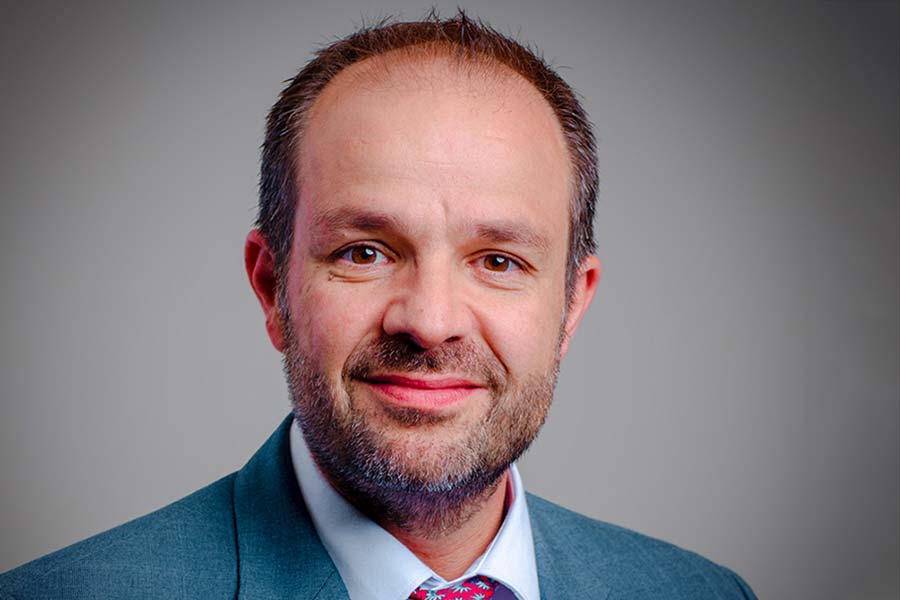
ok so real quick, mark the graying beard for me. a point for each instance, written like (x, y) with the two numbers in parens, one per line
(374, 483)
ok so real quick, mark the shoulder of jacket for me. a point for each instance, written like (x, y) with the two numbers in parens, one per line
(636, 564)
(184, 550)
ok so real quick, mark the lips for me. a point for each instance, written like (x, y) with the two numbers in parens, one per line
(429, 394)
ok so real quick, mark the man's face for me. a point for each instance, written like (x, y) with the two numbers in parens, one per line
(424, 306)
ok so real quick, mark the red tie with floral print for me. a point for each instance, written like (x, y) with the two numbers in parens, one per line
(476, 588)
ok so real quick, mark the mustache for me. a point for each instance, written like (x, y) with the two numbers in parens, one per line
(399, 354)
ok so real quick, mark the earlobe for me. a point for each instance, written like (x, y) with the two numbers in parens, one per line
(585, 286)
(260, 265)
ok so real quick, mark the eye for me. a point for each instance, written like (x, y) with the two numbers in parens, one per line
(363, 255)
(498, 263)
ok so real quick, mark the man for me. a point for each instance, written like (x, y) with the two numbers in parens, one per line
(423, 257)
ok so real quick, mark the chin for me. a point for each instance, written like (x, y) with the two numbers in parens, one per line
(428, 458)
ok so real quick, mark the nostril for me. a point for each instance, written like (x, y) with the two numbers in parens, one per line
(413, 344)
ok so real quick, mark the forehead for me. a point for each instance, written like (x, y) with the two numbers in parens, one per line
(439, 131)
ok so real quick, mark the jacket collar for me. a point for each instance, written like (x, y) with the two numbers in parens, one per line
(279, 553)
(564, 572)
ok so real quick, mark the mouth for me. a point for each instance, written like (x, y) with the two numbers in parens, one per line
(430, 394)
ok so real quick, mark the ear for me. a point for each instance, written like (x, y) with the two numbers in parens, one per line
(260, 265)
(585, 285)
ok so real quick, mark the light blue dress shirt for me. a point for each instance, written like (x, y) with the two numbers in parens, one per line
(376, 566)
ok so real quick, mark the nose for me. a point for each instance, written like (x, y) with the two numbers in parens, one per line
(428, 308)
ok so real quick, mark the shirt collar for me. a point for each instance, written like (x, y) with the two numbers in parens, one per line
(376, 566)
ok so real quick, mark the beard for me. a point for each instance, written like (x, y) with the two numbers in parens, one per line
(421, 472)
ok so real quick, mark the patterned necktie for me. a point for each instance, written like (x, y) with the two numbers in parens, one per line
(476, 588)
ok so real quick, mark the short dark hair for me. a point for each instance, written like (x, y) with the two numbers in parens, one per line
(471, 40)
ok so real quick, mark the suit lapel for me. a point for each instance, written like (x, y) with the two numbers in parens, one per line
(279, 553)
(563, 572)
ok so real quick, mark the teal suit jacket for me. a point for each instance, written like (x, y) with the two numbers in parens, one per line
(249, 536)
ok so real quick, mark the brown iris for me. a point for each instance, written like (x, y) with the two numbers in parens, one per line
(498, 263)
(363, 255)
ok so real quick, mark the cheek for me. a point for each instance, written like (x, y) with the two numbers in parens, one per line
(524, 334)
(334, 321)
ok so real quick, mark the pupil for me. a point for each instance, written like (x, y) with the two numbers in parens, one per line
(496, 263)
(365, 255)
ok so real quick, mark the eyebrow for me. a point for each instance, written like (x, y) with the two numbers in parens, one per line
(355, 218)
(509, 232)
(501, 231)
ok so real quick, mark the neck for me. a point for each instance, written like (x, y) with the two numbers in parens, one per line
(452, 550)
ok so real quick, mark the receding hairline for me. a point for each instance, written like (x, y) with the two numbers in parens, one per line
(483, 74)
(451, 55)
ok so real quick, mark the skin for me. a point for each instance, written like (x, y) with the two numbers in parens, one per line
(434, 208)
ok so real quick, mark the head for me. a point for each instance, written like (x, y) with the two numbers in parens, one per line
(423, 257)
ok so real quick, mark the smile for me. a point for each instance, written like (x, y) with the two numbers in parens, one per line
(429, 394)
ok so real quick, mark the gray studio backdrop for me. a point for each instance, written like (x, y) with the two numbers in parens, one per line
(734, 388)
